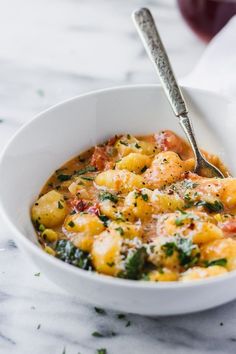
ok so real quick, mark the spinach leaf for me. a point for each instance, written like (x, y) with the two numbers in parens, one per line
(135, 264)
(220, 262)
(108, 196)
(68, 253)
(216, 206)
(86, 169)
(188, 252)
(87, 178)
(63, 177)
(104, 219)
(169, 248)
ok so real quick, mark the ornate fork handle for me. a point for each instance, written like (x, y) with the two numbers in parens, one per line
(152, 42)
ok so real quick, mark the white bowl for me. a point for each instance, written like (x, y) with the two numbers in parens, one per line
(69, 128)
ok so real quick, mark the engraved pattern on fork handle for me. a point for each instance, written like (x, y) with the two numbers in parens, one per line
(152, 42)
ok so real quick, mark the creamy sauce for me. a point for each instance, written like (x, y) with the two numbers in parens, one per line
(133, 208)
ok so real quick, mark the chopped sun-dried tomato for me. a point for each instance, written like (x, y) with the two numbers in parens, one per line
(77, 205)
(229, 227)
(112, 140)
(99, 157)
(169, 141)
(94, 209)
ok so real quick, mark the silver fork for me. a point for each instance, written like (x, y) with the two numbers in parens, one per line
(150, 37)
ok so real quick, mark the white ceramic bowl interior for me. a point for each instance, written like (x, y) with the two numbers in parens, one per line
(69, 128)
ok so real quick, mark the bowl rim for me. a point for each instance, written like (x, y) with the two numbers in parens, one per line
(37, 251)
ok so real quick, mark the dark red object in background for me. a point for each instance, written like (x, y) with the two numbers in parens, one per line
(207, 17)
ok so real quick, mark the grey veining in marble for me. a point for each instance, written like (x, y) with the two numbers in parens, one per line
(50, 51)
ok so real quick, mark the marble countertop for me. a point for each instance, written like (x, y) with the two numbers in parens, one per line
(50, 51)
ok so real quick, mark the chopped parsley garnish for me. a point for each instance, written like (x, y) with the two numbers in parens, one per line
(144, 169)
(121, 316)
(63, 177)
(145, 197)
(123, 143)
(100, 311)
(68, 253)
(120, 230)
(71, 223)
(60, 205)
(189, 203)
(108, 196)
(169, 248)
(188, 253)
(104, 219)
(216, 206)
(220, 262)
(37, 274)
(101, 351)
(179, 221)
(189, 184)
(86, 169)
(41, 227)
(137, 146)
(97, 334)
(87, 178)
(187, 197)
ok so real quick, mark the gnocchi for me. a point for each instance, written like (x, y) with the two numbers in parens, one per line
(134, 162)
(116, 180)
(133, 208)
(106, 252)
(81, 229)
(50, 209)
